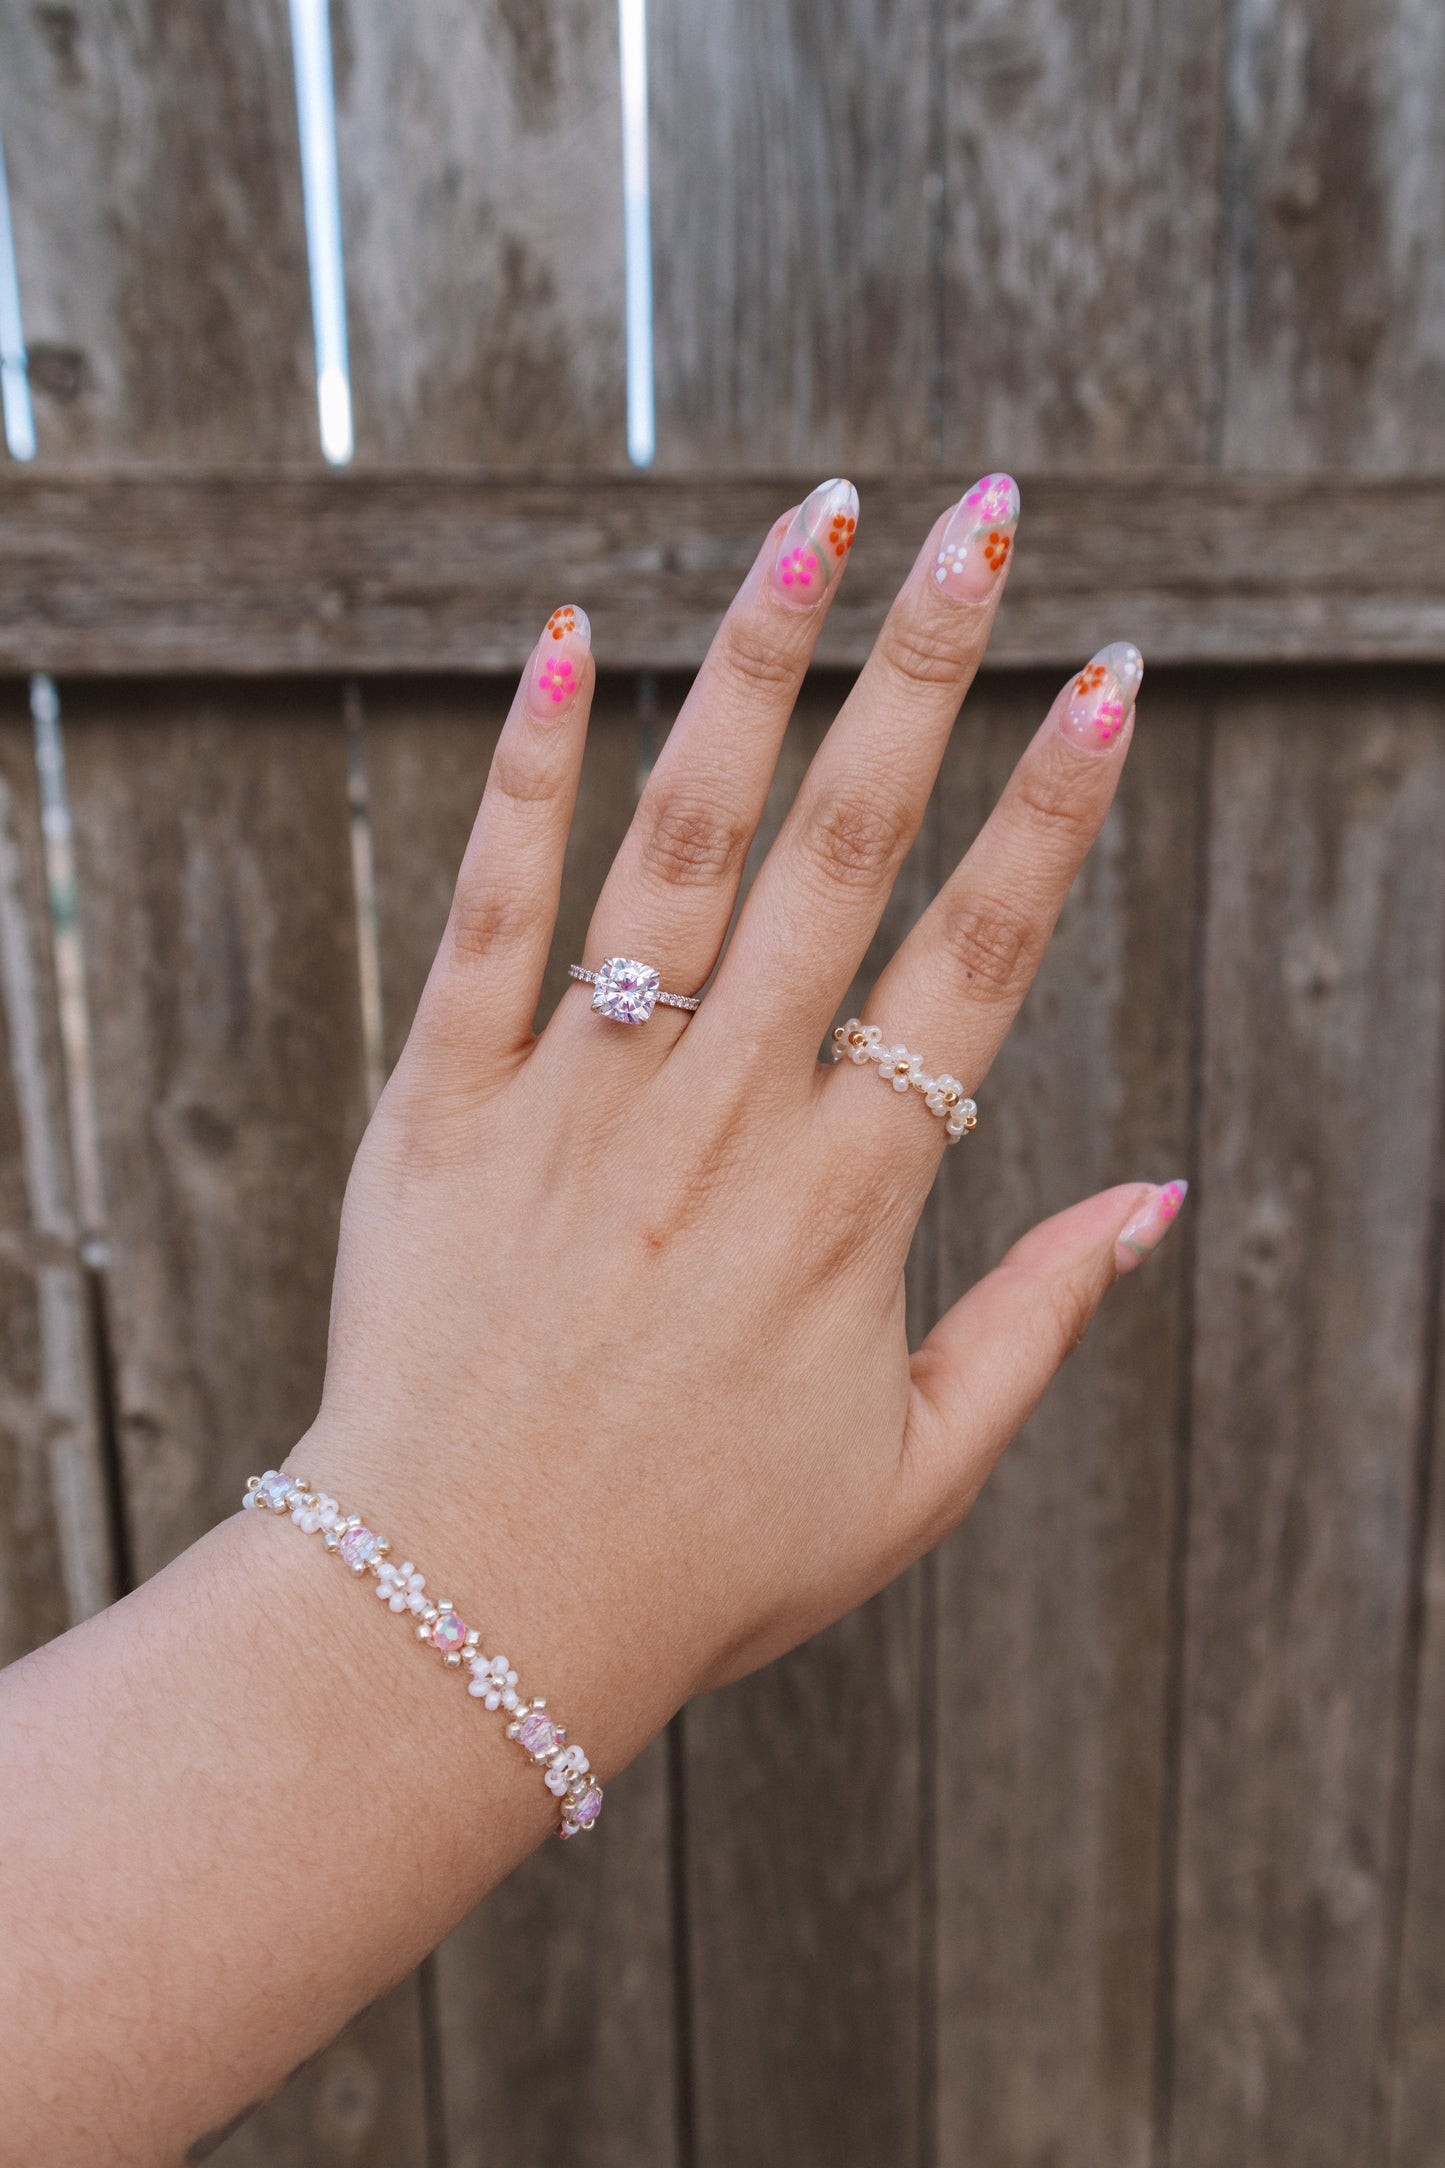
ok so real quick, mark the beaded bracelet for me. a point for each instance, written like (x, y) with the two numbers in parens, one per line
(402, 1588)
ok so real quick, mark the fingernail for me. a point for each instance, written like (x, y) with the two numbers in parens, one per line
(978, 538)
(557, 664)
(1100, 700)
(1147, 1229)
(813, 552)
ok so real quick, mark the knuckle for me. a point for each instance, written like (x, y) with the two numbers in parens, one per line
(924, 659)
(687, 842)
(520, 779)
(757, 663)
(992, 945)
(1046, 796)
(857, 840)
(483, 921)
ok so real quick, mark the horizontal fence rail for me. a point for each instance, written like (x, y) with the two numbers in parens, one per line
(263, 572)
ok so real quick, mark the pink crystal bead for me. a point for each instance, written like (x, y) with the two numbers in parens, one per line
(588, 1807)
(449, 1633)
(358, 1547)
(537, 1733)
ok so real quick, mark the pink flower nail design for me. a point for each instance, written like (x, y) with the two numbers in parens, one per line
(1098, 703)
(815, 548)
(1147, 1229)
(978, 538)
(557, 677)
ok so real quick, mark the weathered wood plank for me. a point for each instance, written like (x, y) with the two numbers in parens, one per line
(156, 198)
(1416, 2097)
(481, 181)
(238, 574)
(1321, 1082)
(219, 930)
(1054, 1598)
(1081, 155)
(532, 2052)
(804, 1934)
(795, 202)
(1333, 347)
(56, 1561)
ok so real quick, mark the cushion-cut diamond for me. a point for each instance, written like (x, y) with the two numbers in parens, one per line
(626, 990)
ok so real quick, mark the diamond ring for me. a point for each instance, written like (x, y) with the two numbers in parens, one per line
(628, 991)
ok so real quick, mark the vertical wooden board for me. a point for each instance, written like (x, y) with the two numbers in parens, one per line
(555, 1997)
(794, 214)
(56, 1563)
(156, 194)
(1334, 338)
(1323, 1014)
(1081, 154)
(1051, 1790)
(804, 1933)
(218, 920)
(481, 177)
(1417, 2093)
(217, 915)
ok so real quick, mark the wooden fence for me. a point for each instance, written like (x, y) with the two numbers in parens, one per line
(1113, 1836)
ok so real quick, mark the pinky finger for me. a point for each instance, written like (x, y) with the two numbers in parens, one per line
(985, 1366)
(485, 984)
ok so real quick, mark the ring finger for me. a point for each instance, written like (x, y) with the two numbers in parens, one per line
(669, 896)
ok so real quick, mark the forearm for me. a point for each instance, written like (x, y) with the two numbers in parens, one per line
(248, 1743)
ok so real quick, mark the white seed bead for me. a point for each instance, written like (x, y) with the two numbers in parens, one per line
(509, 1698)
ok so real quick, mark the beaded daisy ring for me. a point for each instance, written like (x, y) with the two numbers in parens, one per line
(628, 991)
(942, 1095)
(565, 1769)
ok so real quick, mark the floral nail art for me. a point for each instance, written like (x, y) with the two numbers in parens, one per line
(978, 539)
(1099, 701)
(1147, 1229)
(815, 548)
(557, 666)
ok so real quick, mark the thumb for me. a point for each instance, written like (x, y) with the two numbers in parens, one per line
(984, 1367)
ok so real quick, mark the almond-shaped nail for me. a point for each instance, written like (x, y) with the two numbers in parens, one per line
(978, 539)
(556, 669)
(1150, 1224)
(813, 552)
(1099, 701)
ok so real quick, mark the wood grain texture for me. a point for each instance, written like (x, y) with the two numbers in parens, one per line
(1081, 152)
(1333, 347)
(56, 1560)
(155, 189)
(481, 179)
(146, 573)
(219, 928)
(556, 1995)
(1054, 1599)
(805, 1869)
(795, 209)
(1321, 1078)
(1416, 2102)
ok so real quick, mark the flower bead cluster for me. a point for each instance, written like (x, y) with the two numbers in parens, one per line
(565, 1770)
(942, 1095)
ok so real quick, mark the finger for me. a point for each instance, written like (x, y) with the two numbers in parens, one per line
(817, 900)
(670, 894)
(956, 984)
(485, 983)
(985, 1366)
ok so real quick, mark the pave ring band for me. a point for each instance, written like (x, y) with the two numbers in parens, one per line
(942, 1095)
(628, 991)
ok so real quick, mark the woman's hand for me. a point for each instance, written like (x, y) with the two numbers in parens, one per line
(618, 1337)
(617, 1354)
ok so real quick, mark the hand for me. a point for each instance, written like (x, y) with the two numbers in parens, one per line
(618, 1343)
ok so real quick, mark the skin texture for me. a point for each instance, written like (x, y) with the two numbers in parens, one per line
(617, 1354)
